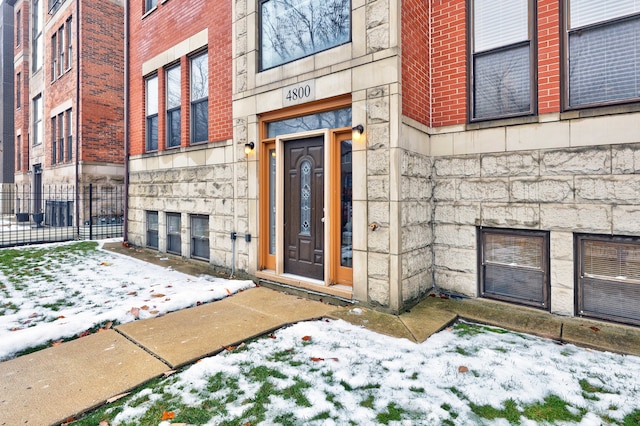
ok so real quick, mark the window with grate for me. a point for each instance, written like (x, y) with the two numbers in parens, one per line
(608, 283)
(515, 266)
(603, 51)
(502, 65)
(152, 229)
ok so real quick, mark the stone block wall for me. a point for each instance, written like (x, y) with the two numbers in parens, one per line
(590, 189)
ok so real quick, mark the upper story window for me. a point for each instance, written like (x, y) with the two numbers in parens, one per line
(174, 101)
(293, 30)
(18, 90)
(151, 90)
(199, 95)
(502, 65)
(150, 4)
(603, 52)
(38, 113)
(37, 41)
(18, 27)
(69, 32)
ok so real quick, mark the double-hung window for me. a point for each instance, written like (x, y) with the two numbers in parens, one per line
(151, 90)
(174, 232)
(603, 52)
(61, 137)
(18, 90)
(69, 134)
(69, 30)
(38, 113)
(200, 236)
(293, 30)
(502, 64)
(150, 4)
(54, 56)
(61, 49)
(152, 229)
(54, 141)
(174, 101)
(37, 41)
(199, 71)
(18, 27)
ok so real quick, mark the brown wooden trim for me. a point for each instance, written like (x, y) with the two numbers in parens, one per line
(305, 109)
(266, 260)
(338, 274)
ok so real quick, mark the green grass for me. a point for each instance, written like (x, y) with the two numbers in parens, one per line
(552, 409)
(509, 411)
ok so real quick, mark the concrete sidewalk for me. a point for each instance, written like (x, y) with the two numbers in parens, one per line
(52, 385)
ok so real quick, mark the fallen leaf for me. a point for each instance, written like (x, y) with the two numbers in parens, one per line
(306, 338)
(168, 373)
(273, 336)
(16, 329)
(117, 397)
(168, 415)
(144, 307)
(314, 359)
(198, 303)
(167, 299)
(231, 348)
(58, 343)
(157, 295)
(108, 325)
(135, 312)
(61, 317)
(103, 423)
(228, 292)
(154, 312)
(169, 286)
(33, 315)
(84, 333)
(132, 293)
(463, 369)
(596, 329)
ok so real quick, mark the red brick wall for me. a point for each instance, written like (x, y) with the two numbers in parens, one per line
(415, 61)
(548, 56)
(171, 23)
(449, 72)
(102, 82)
(21, 117)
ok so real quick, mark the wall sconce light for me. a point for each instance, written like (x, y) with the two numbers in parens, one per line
(248, 147)
(357, 131)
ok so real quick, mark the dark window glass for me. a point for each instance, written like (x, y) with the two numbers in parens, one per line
(346, 205)
(200, 237)
(604, 62)
(174, 101)
(150, 4)
(152, 229)
(54, 147)
(199, 94)
(292, 30)
(325, 120)
(174, 241)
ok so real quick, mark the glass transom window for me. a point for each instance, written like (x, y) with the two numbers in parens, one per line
(293, 30)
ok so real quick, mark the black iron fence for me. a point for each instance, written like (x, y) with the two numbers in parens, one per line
(50, 213)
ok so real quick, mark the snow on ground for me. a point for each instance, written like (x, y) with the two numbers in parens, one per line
(62, 296)
(349, 375)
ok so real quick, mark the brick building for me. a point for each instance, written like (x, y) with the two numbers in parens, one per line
(483, 148)
(7, 41)
(69, 94)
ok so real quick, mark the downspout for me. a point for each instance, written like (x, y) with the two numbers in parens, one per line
(125, 224)
(77, 123)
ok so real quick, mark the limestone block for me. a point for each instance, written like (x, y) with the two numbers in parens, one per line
(511, 215)
(477, 141)
(626, 220)
(379, 292)
(377, 136)
(378, 110)
(445, 190)
(223, 207)
(457, 166)
(483, 190)
(561, 247)
(415, 237)
(462, 236)
(416, 261)
(465, 283)
(415, 188)
(585, 161)
(625, 159)
(513, 164)
(241, 44)
(240, 9)
(204, 174)
(378, 188)
(415, 212)
(378, 162)
(607, 129)
(377, 13)
(378, 240)
(416, 286)
(562, 273)
(415, 164)
(618, 189)
(540, 190)
(562, 301)
(379, 213)
(538, 136)
(462, 214)
(378, 92)
(578, 218)
(225, 172)
(455, 259)
(378, 266)
(378, 38)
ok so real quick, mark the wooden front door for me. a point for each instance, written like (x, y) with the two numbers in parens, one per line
(304, 207)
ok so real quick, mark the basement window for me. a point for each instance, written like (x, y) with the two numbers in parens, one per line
(514, 266)
(608, 278)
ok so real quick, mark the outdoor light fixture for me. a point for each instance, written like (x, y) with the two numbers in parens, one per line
(357, 131)
(248, 147)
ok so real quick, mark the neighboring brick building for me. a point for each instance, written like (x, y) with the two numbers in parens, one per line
(69, 112)
(7, 41)
(499, 157)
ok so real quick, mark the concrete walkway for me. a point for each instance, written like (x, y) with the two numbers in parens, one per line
(55, 384)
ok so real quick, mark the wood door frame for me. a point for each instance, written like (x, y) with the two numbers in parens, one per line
(338, 273)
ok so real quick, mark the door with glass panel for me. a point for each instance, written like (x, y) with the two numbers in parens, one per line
(304, 207)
